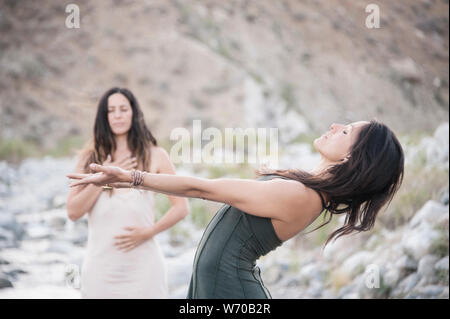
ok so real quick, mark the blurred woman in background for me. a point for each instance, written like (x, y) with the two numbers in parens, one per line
(123, 260)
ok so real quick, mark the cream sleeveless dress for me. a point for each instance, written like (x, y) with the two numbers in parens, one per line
(111, 273)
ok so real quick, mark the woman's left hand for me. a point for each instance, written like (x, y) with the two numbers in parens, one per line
(135, 237)
(103, 175)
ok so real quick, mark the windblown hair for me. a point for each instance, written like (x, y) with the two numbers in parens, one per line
(139, 136)
(361, 186)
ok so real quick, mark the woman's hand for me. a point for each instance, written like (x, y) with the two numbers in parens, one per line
(104, 175)
(134, 237)
(127, 163)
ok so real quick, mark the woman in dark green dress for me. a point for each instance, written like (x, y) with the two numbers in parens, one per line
(225, 262)
(360, 171)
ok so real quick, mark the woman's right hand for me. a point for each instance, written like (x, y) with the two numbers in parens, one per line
(127, 163)
(105, 175)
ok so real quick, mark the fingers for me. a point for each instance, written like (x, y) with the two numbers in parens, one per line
(129, 163)
(108, 160)
(77, 175)
(98, 168)
(86, 180)
(125, 242)
(125, 159)
(96, 179)
(125, 245)
(77, 183)
(127, 249)
(120, 185)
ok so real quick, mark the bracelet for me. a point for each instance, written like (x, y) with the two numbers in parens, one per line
(106, 187)
(137, 178)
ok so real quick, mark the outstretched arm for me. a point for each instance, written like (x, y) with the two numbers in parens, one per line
(277, 198)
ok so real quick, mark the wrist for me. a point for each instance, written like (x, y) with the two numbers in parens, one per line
(149, 232)
(126, 176)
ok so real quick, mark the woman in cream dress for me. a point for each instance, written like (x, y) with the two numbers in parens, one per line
(123, 258)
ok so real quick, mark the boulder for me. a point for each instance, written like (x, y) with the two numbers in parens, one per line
(406, 285)
(418, 242)
(442, 264)
(431, 212)
(406, 263)
(392, 276)
(357, 262)
(426, 267)
(431, 291)
(5, 282)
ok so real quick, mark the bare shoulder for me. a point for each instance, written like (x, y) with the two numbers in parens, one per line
(291, 188)
(298, 198)
(82, 157)
(159, 151)
(159, 158)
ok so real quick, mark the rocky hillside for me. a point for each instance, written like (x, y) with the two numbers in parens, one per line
(229, 63)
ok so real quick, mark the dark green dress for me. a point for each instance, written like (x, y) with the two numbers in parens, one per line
(225, 261)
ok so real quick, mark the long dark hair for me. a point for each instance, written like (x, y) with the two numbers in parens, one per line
(139, 136)
(361, 186)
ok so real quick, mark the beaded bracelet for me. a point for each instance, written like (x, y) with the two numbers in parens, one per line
(137, 178)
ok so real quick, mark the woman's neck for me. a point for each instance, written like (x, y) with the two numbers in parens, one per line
(320, 168)
(121, 143)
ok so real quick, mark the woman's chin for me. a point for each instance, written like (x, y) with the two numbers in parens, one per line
(316, 144)
(118, 132)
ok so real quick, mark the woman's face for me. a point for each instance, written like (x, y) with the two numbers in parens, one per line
(335, 145)
(120, 113)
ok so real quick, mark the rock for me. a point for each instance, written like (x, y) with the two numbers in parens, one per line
(406, 285)
(407, 70)
(58, 222)
(391, 277)
(436, 148)
(356, 263)
(180, 269)
(418, 242)
(444, 294)
(430, 212)
(315, 289)
(349, 289)
(5, 283)
(274, 272)
(14, 272)
(352, 295)
(441, 134)
(3, 261)
(442, 264)
(60, 246)
(7, 238)
(292, 281)
(311, 271)
(373, 242)
(431, 291)
(59, 201)
(38, 231)
(444, 198)
(8, 221)
(406, 263)
(426, 266)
